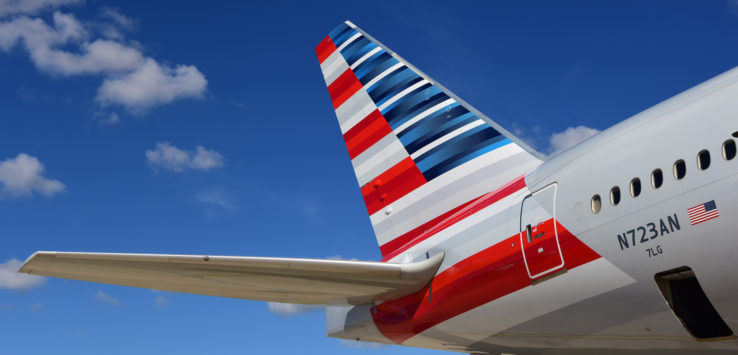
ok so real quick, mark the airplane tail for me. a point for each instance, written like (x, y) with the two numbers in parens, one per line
(420, 153)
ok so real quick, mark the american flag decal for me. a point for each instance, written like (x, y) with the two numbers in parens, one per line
(703, 212)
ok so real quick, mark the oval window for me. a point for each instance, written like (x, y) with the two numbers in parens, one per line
(657, 178)
(680, 169)
(729, 149)
(635, 187)
(703, 159)
(615, 196)
(596, 204)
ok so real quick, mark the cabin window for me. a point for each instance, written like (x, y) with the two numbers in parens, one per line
(680, 169)
(615, 196)
(596, 204)
(729, 149)
(735, 134)
(703, 159)
(657, 178)
(635, 187)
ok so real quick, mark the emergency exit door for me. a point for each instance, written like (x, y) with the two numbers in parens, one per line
(538, 236)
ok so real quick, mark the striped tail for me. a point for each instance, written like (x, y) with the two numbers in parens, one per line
(420, 153)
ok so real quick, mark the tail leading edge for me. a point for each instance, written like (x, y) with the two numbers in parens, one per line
(419, 152)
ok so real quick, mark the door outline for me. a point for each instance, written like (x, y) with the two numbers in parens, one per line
(556, 233)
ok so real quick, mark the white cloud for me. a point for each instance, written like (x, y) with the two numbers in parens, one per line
(106, 298)
(100, 56)
(120, 19)
(152, 85)
(168, 157)
(68, 47)
(569, 138)
(8, 7)
(161, 301)
(22, 176)
(289, 309)
(114, 24)
(215, 197)
(110, 119)
(12, 280)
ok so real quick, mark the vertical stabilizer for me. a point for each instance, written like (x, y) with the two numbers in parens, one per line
(419, 152)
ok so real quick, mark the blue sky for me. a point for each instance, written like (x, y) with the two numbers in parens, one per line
(178, 127)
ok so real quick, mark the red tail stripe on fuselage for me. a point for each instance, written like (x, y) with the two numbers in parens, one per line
(367, 132)
(398, 245)
(479, 279)
(324, 49)
(392, 184)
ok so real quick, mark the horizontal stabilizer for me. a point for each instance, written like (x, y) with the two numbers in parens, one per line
(305, 281)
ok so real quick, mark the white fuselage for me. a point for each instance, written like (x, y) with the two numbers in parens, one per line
(575, 302)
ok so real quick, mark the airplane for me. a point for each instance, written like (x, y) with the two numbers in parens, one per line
(623, 243)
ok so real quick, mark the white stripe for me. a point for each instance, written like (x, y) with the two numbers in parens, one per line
(447, 137)
(379, 160)
(423, 115)
(488, 226)
(355, 109)
(371, 152)
(333, 67)
(470, 180)
(365, 57)
(402, 93)
(704, 218)
(348, 41)
(381, 76)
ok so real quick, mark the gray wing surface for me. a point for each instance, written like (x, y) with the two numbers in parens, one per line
(304, 281)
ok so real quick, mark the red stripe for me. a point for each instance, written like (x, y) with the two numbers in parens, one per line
(703, 218)
(367, 132)
(343, 87)
(406, 241)
(391, 185)
(479, 279)
(324, 49)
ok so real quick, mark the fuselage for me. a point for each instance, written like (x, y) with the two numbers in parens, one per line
(539, 266)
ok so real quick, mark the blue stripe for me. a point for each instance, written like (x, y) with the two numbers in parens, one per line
(392, 79)
(414, 104)
(428, 133)
(406, 100)
(338, 31)
(338, 41)
(458, 147)
(433, 122)
(357, 49)
(393, 91)
(392, 84)
(440, 169)
(374, 66)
